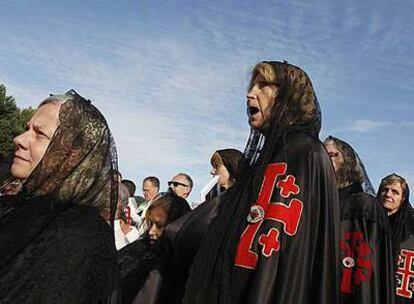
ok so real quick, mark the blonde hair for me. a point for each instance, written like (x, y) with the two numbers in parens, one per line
(264, 69)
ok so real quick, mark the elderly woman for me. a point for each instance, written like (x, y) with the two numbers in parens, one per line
(56, 242)
(366, 259)
(226, 164)
(394, 195)
(273, 236)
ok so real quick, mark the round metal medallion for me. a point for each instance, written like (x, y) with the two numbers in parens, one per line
(348, 262)
(256, 214)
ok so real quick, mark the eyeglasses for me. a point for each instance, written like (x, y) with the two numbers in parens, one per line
(176, 184)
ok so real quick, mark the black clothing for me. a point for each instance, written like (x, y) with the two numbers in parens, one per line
(139, 258)
(402, 229)
(135, 261)
(44, 258)
(366, 252)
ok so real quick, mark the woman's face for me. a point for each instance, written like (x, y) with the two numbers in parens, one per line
(224, 174)
(335, 155)
(260, 100)
(32, 144)
(157, 219)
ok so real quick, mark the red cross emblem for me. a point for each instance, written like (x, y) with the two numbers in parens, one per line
(288, 186)
(270, 242)
(289, 215)
(405, 274)
(356, 261)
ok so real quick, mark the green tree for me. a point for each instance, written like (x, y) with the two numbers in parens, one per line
(12, 122)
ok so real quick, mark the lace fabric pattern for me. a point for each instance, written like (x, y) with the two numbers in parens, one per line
(352, 170)
(57, 266)
(80, 161)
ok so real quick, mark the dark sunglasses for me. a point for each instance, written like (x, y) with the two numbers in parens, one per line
(176, 184)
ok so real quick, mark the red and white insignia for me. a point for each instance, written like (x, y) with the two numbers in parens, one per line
(348, 262)
(256, 214)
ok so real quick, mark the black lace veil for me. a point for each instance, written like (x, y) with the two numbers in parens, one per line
(352, 171)
(80, 163)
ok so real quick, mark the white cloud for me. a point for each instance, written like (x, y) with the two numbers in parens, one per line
(364, 125)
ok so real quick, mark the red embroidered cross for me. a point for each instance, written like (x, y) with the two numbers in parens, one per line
(270, 242)
(288, 186)
(404, 268)
(357, 261)
(288, 215)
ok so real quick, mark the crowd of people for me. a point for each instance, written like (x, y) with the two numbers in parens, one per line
(290, 220)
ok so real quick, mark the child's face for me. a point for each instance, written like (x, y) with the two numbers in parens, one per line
(157, 218)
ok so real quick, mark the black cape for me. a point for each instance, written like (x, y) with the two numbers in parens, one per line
(287, 252)
(366, 251)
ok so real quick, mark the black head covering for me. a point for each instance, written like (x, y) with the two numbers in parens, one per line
(296, 109)
(352, 171)
(232, 159)
(80, 163)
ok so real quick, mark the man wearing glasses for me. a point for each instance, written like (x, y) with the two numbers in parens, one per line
(181, 185)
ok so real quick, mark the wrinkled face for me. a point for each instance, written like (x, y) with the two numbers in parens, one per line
(179, 185)
(391, 197)
(149, 190)
(260, 100)
(224, 174)
(335, 155)
(32, 144)
(157, 219)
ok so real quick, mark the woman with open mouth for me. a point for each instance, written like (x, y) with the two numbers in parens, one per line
(275, 237)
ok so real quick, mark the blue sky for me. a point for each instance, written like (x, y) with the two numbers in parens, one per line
(171, 76)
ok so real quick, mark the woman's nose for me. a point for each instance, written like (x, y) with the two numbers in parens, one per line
(151, 231)
(21, 140)
(252, 92)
